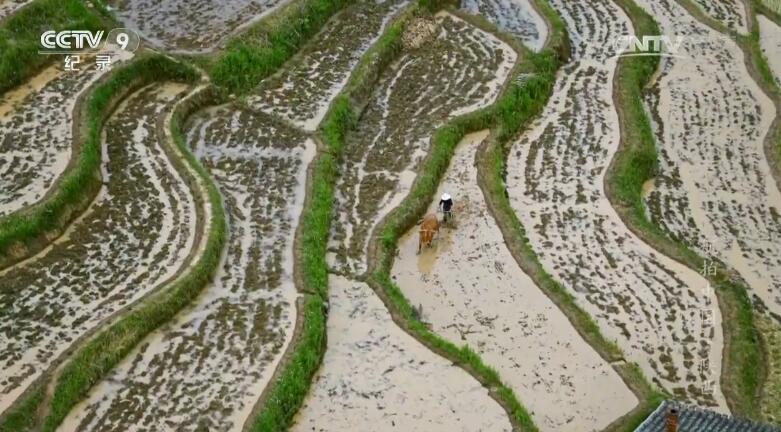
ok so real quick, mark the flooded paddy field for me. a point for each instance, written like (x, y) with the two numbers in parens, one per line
(715, 191)
(208, 367)
(770, 42)
(376, 377)
(7, 7)
(470, 289)
(459, 70)
(302, 91)
(516, 17)
(135, 236)
(658, 311)
(36, 133)
(189, 25)
(731, 13)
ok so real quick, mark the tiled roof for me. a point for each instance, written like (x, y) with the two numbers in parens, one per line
(692, 419)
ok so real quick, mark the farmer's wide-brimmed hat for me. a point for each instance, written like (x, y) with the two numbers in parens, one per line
(445, 196)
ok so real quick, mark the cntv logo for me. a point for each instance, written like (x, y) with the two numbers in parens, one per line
(663, 46)
(74, 41)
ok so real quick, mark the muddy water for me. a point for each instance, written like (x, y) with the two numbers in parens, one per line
(459, 71)
(715, 190)
(135, 236)
(7, 7)
(657, 311)
(206, 368)
(731, 13)
(471, 290)
(770, 41)
(516, 17)
(189, 25)
(376, 377)
(36, 135)
(302, 92)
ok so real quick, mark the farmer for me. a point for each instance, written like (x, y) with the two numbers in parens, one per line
(446, 204)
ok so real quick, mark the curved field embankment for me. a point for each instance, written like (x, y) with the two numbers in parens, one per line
(518, 18)
(649, 304)
(471, 290)
(459, 70)
(136, 236)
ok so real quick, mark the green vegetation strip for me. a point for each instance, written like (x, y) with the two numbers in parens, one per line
(634, 164)
(92, 361)
(20, 35)
(287, 393)
(261, 50)
(29, 229)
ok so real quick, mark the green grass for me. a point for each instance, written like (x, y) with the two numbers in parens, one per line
(20, 35)
(92, 361)
(79, 185)
(260, 51)
(635, 163)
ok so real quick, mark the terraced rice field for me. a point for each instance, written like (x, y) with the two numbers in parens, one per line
(652, 306)
(37, 132)
(302, 91)
(460, 71)
(137, 234)
(731, 13)
(715, 190)
(241, 354)
(470, 289)
(210, 364)
(7, 7)
(516, 17)
(189, 26)
(770, 42)
(376, 377)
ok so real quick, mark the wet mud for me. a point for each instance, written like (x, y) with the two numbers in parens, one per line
(516, 17)
(469, 288)
(189, 25)
(457, 72)
(135, 236)
(731, 13)
(659, 312)
(715, 191)
(36, 135)
(206, 369)
(302, 92)
(377, 377)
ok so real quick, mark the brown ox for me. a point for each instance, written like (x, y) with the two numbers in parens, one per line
(429, 227)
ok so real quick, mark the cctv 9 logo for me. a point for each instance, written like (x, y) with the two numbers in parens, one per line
(79, 40)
